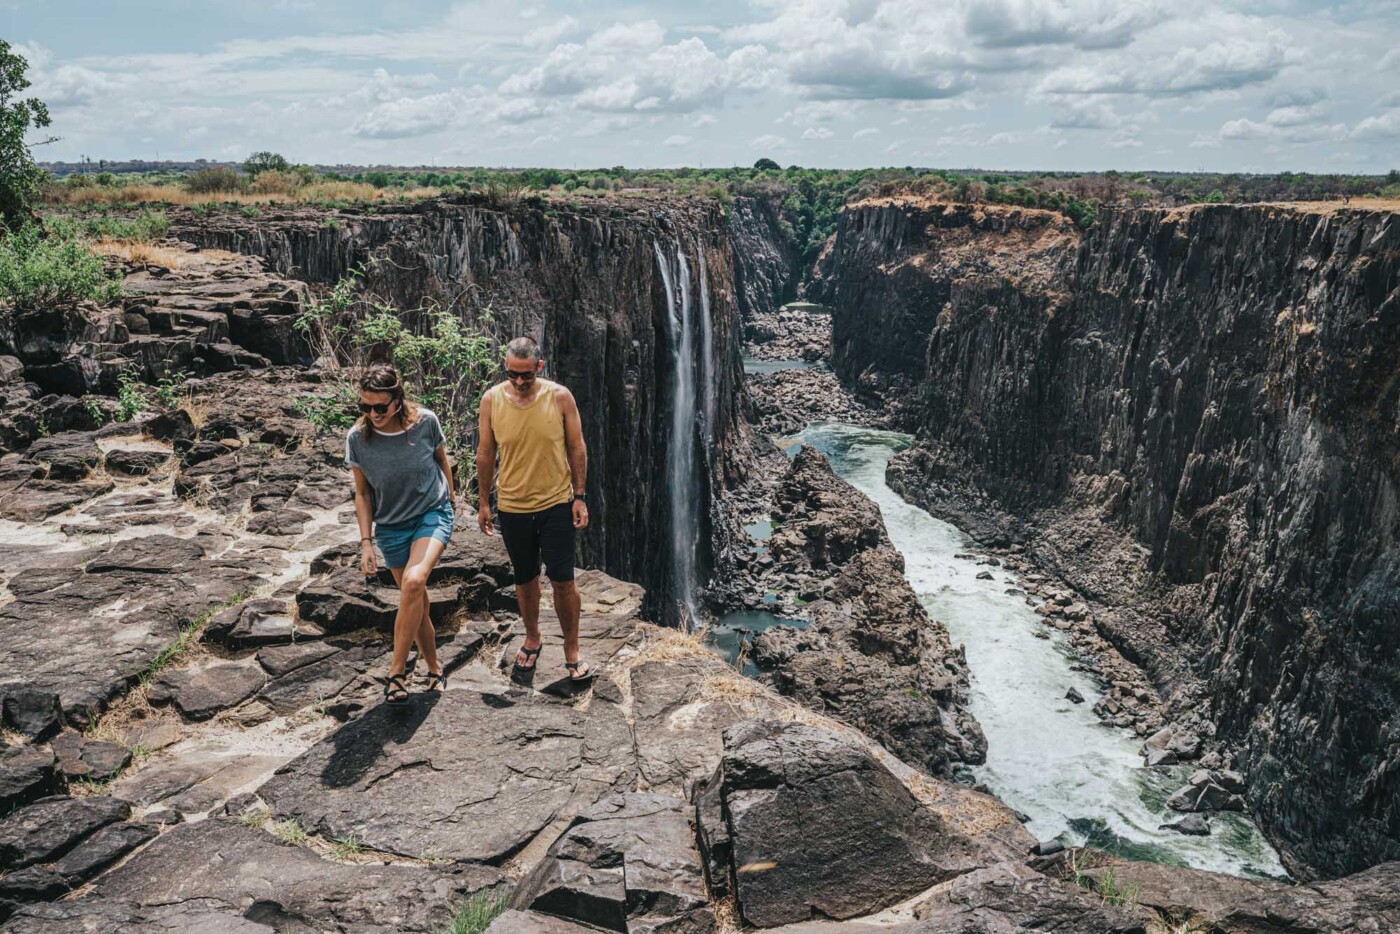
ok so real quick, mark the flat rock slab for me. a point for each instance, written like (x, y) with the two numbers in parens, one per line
(532, 922)
(201, 692)
(106, 916)
(43, 831)
(250, 872)
(463, 775)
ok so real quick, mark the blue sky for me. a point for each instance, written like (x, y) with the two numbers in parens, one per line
(1259, 86)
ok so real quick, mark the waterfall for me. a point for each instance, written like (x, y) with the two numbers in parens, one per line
(681, 479)
(709, 381)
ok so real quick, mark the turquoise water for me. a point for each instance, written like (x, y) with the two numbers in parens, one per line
(1047, 757)
(731, 634)
(752, 367)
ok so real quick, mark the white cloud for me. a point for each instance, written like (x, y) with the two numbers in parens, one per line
(1086, 24)
(549, 35)
(1384, 126)
(816, 132)
(704, 120)
(769, 141)
(411, 116)
(677, 139)
(1217, 66)
(863, 133)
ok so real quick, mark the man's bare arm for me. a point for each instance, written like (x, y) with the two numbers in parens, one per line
(573, 441)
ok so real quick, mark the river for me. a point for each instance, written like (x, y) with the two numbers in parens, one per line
(1048, 758)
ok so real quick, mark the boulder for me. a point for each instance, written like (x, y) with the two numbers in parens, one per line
(102, 849)
(26, 774)
(94, 760)
(171, 426)
(344, 601)
(135, 462)
(201, 692)
(1192, 825)
(1010, 897)
(628, 863)
(802, 822)
(48, 828)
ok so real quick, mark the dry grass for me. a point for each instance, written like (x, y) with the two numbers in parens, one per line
(727, 917)
(171, 194)
(1188, 925)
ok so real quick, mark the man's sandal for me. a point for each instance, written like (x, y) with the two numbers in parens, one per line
(575, 666)
(531, 655)
(437, 682)
(395, 692)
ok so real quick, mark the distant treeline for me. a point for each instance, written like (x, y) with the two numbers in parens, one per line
(810, 200)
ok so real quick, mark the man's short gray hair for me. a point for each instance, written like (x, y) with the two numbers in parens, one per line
(523, 348)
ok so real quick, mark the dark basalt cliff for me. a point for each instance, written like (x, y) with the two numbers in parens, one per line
(1192, 414)
(585, 280)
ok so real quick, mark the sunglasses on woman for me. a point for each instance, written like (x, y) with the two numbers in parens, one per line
(378, 408)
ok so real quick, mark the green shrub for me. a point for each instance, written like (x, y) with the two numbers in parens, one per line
(476, 913)
(129, 398)
(219, 179)
(38, 271)
(144, 227)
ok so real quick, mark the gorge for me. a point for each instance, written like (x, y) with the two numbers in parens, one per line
(1185, 419)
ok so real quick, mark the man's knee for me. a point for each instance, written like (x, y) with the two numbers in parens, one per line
(564, 588)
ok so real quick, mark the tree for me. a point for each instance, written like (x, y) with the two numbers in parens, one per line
(766, 163)
(20, 178)
(265, 161)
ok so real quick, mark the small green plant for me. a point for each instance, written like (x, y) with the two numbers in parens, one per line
(347, 847)
(1115, 892)
(332, 223)
(476, 913)
(41, 428)
(168, 389)
(204, 209)
(94, 409)
(289, 831)
(250, 210)
(328, 411)
(129, 398)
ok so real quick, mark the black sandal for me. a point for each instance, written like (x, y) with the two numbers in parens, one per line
(436, 682)
(531, 655)
(395, 692)
(573, 671)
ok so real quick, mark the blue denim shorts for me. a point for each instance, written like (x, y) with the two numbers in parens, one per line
(395, 541)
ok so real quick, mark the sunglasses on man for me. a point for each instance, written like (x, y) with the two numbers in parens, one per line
(378, 408)
(522, 376)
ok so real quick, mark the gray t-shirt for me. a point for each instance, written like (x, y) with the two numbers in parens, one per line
(401, 469)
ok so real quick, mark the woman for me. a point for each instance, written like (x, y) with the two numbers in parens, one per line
(403, 485)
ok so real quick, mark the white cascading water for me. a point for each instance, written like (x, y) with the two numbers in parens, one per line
(681, 479)
(708, 383)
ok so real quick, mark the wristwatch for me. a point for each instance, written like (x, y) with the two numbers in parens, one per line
(581, 498)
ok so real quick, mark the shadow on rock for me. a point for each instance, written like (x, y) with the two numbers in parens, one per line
(359, 745)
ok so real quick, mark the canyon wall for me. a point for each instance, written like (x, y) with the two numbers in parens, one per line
(1193, 415)
(585, 280)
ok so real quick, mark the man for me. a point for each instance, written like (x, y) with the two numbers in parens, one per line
(533, 425)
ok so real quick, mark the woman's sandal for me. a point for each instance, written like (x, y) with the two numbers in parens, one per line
(574, 667)
(395, 692)
(437, 682)
(531, 655)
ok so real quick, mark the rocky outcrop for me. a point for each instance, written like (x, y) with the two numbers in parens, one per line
(870, 654)
(765, 256)
(1189, 414)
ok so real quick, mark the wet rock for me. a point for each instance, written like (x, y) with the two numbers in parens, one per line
(504, 765)
(861, 842)
(33, 713)
(203, 691)
(1193, 825)
(26, 774)
(984, 575)
(221, 863)
(48, 828)
(1204, 793)
(1074, 696)
(628, 863)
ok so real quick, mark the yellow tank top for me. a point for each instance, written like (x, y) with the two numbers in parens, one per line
(533, 467)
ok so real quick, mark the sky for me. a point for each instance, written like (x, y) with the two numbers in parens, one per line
(1186, 85)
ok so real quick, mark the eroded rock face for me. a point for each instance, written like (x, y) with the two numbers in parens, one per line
(1194, 392)
(801, 822)
(871, 655)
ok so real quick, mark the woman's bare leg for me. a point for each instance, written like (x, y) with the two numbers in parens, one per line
(413, 622)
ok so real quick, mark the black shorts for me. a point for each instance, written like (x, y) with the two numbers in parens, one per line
(532, 536)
